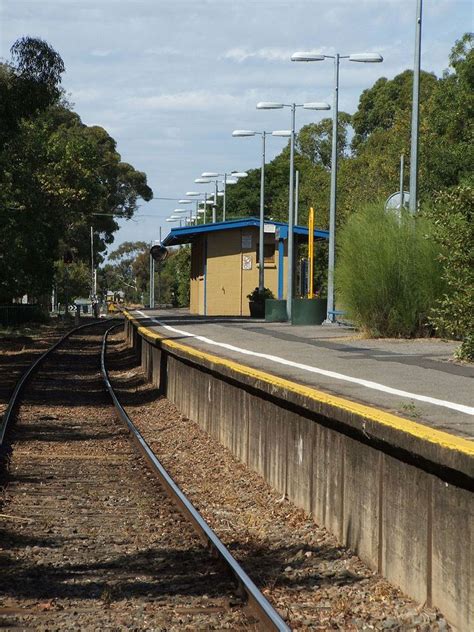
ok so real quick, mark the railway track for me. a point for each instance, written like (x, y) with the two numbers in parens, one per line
(88, 540)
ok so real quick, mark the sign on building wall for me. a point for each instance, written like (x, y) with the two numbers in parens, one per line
(246, 241)
(246, 262)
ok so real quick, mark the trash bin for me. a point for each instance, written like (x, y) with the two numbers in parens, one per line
(275, 311)
(309, 311)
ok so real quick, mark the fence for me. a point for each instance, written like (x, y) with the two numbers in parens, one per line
(17, 314)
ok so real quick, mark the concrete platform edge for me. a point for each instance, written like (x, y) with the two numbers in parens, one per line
(395, 491)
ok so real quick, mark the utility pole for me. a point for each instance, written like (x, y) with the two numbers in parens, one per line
(152, 281)
(159, 274)
(291, 219)
(415, 113)
(402, 177)
(94, 304)
(92, 264)
(297, 194)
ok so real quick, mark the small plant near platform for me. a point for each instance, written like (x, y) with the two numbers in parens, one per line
(410, 410)
(260, 297)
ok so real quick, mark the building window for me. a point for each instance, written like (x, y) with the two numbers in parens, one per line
(268, 253)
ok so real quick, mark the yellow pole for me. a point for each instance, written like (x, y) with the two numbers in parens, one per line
(310, 251)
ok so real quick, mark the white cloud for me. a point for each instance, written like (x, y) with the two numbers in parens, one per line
(268, 54)
(159, 51)
(99, 52)
(192, 100)
(87, 95)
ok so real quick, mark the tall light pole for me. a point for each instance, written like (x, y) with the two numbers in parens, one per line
(199, 198)
(93, 288)
(413, 201)
(240, 133)
(359, 57)
(270, 105)
(205, 181)
(230, 177)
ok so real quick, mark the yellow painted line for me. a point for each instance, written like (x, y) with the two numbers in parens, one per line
(420, 431)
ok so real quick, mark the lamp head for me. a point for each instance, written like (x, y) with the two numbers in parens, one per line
(237, 133)
(185, 201)
(193, 193)
(202, 181)
(366, 58)
(239, 174)
(269, 105)
(320, 105)
(285, 133)
(209, 174)
(307, 56)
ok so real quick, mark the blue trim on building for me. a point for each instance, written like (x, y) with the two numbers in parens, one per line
(186, 234)
(281, 259)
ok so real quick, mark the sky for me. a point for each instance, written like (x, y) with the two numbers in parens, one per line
(170, 80)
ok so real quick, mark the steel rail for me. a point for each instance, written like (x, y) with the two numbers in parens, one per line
(13, 401)
(259, 605)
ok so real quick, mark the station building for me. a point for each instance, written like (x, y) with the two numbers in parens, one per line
(225, 265)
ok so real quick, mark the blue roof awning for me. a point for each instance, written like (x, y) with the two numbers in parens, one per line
(187, 234)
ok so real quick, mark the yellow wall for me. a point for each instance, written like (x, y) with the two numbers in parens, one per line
(223, 274)
(228, 283)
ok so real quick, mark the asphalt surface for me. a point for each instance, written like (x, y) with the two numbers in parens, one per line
(420, 368)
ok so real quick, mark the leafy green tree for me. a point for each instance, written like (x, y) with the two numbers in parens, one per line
(315, 140)
(126, 271)
(72, 281)
(452, 214)
(58, 177)
(29, 84)
(380, 105)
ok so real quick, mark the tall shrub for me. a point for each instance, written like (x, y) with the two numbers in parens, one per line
(452, 217)
(388, 276)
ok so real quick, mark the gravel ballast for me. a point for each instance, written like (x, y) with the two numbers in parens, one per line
(315, 583)
(88, 539)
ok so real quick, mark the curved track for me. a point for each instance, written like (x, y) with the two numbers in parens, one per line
(80, 498)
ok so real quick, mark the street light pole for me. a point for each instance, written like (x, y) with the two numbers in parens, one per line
(224, 198)
(152, 281)
(270, 105)
(333, 195)
(92, 263)
(297, 195)
(214, 206)
(210, 176)
(361, 58)
(291, 210)
(261, 227)
(415, 113)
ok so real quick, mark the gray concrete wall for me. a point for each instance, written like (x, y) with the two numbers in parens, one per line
(411, 525)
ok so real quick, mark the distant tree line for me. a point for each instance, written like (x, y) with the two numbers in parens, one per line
(128, 269)
(58, 177)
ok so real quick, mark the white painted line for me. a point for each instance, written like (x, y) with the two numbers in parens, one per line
(468, 410)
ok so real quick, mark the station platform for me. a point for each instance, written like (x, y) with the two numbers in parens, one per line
(413, 379)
